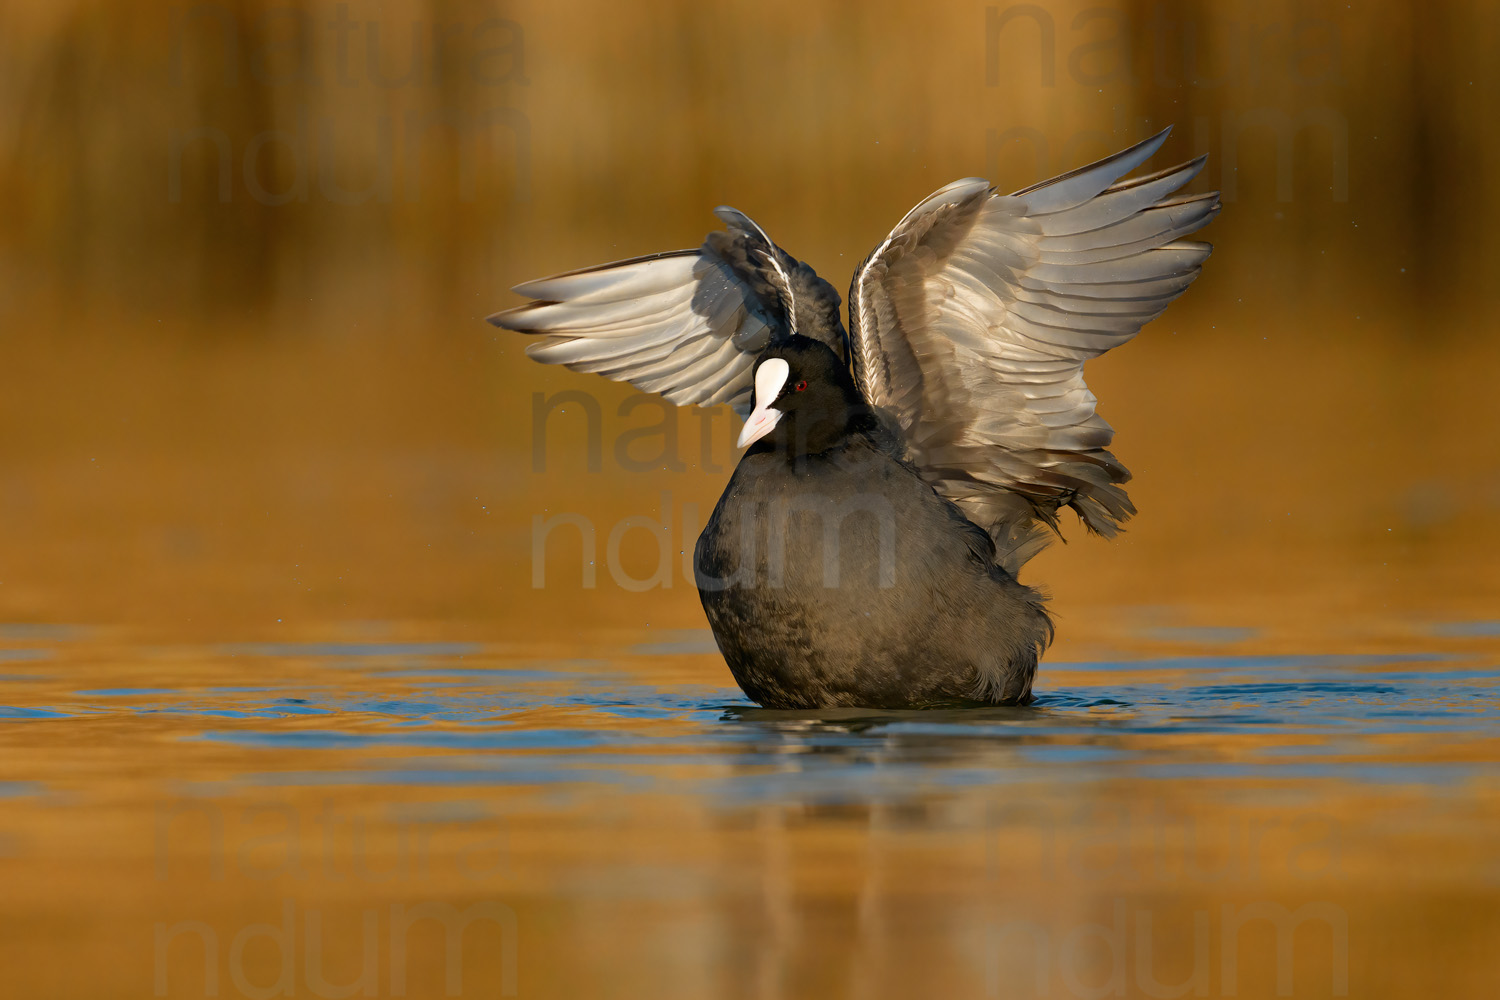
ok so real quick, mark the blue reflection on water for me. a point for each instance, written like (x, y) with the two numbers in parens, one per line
(1205, 635)
(455, 714)
(1479, 629)
(352, 649)
(25, 654)
(16, 789)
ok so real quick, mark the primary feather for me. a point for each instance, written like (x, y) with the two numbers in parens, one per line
(969, 326)
(971, 323)
(687, 323)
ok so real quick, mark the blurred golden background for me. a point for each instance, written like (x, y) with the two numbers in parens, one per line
(249, 246)
(249, 396)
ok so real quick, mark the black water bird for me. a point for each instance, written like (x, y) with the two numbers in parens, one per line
(897, 477)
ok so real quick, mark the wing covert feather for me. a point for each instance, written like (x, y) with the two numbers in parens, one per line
(687, 323)
(970, 324)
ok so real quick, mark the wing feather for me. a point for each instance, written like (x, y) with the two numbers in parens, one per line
(970, 323)
(687, 323)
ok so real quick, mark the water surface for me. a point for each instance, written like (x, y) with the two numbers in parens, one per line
(628, 826)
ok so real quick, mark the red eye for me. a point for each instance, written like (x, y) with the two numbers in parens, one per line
(800, 386)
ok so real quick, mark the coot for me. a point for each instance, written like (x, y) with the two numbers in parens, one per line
(897, 477)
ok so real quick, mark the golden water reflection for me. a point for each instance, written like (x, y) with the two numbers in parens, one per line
(626, 823)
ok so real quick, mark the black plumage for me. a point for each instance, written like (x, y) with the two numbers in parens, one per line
(865, 551)
(833, 575)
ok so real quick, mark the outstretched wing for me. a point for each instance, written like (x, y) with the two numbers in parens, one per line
(687, 324)
(971, 322)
